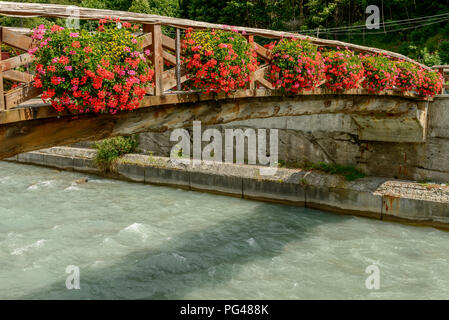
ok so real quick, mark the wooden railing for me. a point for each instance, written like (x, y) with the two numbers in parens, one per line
(152, 38)
(26, 91)
(444, 71)
(167, 83)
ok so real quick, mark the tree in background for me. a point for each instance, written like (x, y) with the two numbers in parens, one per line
(168, 8)
(304, 16)
(444, 52)
(313, 17)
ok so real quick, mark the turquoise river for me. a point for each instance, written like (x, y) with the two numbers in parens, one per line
(136, 241)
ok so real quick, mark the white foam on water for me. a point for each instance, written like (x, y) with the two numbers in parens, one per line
(12, 235)
(102, 181)
(253, 243)
(41, 184)
(37, 244)
(179, 257)
(211, 271)
(4, 179)
(73, 187)
(136, 228)
(32, 267)
(97, 263)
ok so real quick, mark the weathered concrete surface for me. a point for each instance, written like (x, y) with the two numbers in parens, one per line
(404, 200)
(337, 138)
(357, 198)
(373, 197)
(409, 127)
(37, 133)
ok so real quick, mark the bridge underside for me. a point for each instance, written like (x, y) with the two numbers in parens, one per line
(382, 118)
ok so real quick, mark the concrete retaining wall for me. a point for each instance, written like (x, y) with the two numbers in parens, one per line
(373, 197)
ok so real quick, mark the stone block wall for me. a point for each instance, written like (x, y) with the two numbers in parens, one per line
(335, 138)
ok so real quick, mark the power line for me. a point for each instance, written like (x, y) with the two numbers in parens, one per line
(405, 21)
(355, 30)
(386, 24)
(348, 31)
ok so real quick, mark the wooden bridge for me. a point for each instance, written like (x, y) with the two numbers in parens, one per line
(27, 124)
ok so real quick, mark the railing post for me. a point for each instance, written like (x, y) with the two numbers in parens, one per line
(252, 83)
(2, 95)
(178, 59)
(157, 58)
(441, 71)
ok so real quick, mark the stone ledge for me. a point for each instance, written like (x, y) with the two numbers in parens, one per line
(373, 197)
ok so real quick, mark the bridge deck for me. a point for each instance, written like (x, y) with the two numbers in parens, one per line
(36, 109)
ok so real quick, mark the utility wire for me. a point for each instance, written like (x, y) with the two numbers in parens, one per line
(336, 30)
(378, 32)
(404, 24)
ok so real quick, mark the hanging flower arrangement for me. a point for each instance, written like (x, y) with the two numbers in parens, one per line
(297, 65)
(342, 70)
(101, 71)
(380, 73)
(409, 76)
(431, 83)
(217, 60)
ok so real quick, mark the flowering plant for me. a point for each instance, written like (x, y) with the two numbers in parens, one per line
(342, 70)
(380, 73)
(217, 60)
(431, 83)
(296, 65)
(409, 76)
(101, 71)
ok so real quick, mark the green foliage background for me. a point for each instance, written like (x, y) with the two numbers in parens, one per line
(429, 44)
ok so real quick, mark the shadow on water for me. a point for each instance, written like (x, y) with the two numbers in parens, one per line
(206, 257)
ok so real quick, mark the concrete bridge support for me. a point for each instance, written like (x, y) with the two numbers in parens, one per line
(43, 128)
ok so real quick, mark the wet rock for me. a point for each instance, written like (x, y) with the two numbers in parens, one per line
(81, 181)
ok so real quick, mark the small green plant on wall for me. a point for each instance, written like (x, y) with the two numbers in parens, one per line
(111, 149)
(349, 172)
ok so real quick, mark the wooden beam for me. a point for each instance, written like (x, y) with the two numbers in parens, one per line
(24, 31)
(178, 59)
(261, 71)
(37, 134)
(36, 109)
(260, 77)
(169, 58)
(168, 43)
(146, 40)
(16, 40)
(20, 95)
(147, 29)
(264, 82)
(261, 51)
(170, 79)
(21, 9)
(2, 96)
(16, 61)
(252, 77)
(18, 76)
(157, 57)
